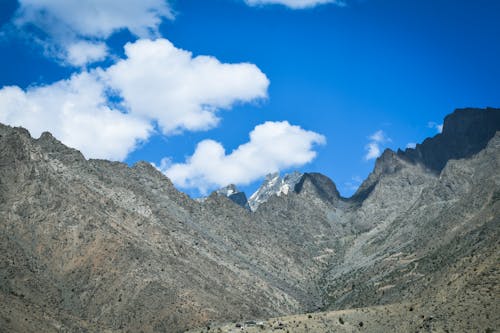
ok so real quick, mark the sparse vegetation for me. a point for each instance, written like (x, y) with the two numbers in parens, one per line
(96, 245)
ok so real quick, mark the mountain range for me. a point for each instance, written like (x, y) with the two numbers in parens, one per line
(98, 246)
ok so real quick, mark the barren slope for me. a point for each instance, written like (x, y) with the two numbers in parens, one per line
(92, 245)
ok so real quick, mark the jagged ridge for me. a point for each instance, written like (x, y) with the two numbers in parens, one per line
(96, 245)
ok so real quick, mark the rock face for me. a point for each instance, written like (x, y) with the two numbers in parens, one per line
(92, 245)
(322, 186)
(465, 133)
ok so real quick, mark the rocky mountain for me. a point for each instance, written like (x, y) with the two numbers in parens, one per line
(235, 195)
(98, 245)
(424, 254)
(274, 185)
(92, 245)
(465, 133)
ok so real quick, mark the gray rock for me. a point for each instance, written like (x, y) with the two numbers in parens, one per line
(93, 245)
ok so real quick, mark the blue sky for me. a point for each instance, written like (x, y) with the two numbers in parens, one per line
(323, 88)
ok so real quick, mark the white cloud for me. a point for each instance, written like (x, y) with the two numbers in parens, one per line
(373, 148)
(295, 4)
(436, 126)
(182, 92)
(372, 151)
(66, 22)
(158, 84)
(378, 136)
(94, 18)
(76, 112)
(411, 145)
(354, 184)
(273, 146)
(165, 163)
(83, 52)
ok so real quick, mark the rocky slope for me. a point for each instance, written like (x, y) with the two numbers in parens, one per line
(100, 245)
(92, 245)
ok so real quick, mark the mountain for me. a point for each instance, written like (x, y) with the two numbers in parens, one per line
(98, 245)
(235, 195)
(274, 185)
(465, 133)
(93, 245)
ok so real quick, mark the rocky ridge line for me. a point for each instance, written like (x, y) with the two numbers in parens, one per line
(99, 246)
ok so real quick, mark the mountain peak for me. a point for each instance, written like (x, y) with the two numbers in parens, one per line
(465, 133)
(235, 195)
(274, 185)
(228, 190)
(414, 234)
(319, 184)
(271, 176)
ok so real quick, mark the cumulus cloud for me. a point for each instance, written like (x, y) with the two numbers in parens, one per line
(94, 18)
(373, 148)
(294, 4)
(182, 92)
(411, 145)
(372, 151)
(83, 52)
(61, 23)
(436, 126)
(378, 136)
(157, 83)
(76, 112)
(273, 146)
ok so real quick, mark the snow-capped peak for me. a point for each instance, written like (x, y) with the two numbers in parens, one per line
(274, 185)
(228, 190)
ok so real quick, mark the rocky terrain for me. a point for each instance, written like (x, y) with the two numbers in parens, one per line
(93, 245)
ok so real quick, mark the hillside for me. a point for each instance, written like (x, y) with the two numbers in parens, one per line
(93, 245)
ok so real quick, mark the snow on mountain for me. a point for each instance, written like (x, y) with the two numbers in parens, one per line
(228, 190)
(232, 192)
(274, 185)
